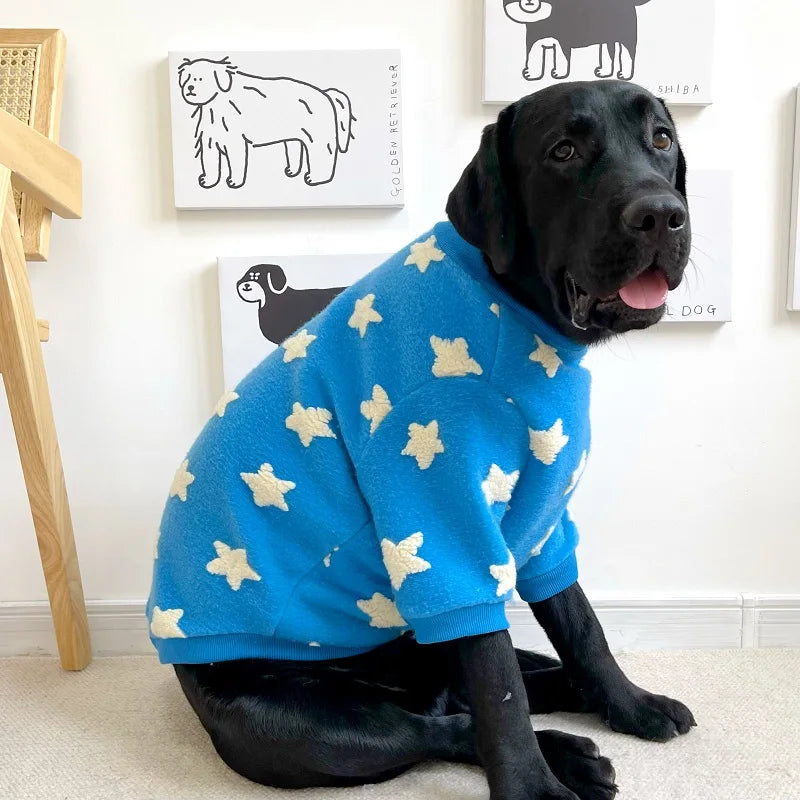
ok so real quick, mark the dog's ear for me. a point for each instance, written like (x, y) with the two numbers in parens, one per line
(275, 278)
(482, 205)
(680, 172)
(223, 75)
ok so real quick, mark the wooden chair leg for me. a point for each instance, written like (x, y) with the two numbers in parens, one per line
(29, 400)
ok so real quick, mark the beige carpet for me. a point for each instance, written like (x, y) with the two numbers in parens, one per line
(122, 730)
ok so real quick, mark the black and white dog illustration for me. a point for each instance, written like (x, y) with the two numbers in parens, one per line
(236, 111)
(281, 309)
(562, 25)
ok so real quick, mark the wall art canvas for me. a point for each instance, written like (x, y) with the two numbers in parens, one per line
(265, 299)
(286, 129)
(793, 292)
(664, 45)
(705, 293)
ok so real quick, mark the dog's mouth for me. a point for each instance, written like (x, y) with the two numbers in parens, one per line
(644, 296)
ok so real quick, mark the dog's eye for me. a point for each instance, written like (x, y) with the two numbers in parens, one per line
(662, 140)
(563, 151)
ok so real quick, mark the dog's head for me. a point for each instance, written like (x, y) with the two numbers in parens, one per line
(577, 198)
(260, 282)
(202, 80)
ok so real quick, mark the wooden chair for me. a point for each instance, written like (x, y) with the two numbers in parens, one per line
(37, 176)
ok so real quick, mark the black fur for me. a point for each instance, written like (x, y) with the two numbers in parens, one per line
(369, 718)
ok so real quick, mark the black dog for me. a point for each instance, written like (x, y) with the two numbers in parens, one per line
(281, 309)
(563, 25)
(575, 193)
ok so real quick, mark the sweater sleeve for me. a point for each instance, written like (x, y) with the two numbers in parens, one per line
(437, 474)
(551, 566)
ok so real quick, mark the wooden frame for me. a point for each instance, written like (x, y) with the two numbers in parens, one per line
(50, 176)
(44, 117)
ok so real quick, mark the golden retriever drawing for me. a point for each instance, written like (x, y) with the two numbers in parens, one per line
(236, 111)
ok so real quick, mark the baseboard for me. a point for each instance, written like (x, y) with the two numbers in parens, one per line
(630, 623)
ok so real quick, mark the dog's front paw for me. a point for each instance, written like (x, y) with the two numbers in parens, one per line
(206, 182)
(234, 184)
(529, 76)
(577, 763)
(649, 716)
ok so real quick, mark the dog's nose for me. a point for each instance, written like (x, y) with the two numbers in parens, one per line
(655, 216)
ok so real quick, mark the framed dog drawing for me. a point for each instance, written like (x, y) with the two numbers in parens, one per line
(264, 299)
(666, 46)
(293, 129)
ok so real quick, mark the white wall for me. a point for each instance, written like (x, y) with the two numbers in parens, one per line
(693, 482)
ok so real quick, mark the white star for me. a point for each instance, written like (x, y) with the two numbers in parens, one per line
(155, 545)
(382, 612)
(452, 358)
(546, 445)
(181, 481)
(576, 476)
(401, 559)
(537, 551)
(422, 253)
(267, 488)
(363, 314)
(233, 565)
(164, 624)
(376, 409)
(505, 575)
(314, 644)
(223, 403)
(498, 485)
(547, 356)
(423, 443)
(327, 560)
(297, 345)
(309, 423)
(495, 309)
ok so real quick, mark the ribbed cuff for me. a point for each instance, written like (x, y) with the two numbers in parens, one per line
(543, 587)
(469, 621)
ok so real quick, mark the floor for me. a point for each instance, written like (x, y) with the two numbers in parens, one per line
(121, 730)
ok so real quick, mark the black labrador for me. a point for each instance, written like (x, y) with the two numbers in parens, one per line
(575, 193)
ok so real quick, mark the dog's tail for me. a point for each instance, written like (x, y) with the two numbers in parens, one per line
(344, 118)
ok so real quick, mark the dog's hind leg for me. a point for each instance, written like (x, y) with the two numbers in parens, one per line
(294, 157)
(627, 62)
(305, 727)
(322, 157)
(547, 686)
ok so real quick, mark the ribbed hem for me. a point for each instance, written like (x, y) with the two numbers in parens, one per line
(227, 647)
(469, 621)
(543, 587)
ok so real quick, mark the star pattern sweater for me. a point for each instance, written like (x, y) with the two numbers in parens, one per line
(402, 462)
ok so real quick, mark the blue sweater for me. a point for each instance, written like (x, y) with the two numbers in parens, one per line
(402, 462)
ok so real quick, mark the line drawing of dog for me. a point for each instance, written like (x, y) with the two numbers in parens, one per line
(281, 309)
(236, 111)
(564, 25)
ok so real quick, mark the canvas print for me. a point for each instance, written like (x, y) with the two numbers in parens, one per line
(793, 290)
(705, 293)
(260, 130)
(530, 44)
(263, 300)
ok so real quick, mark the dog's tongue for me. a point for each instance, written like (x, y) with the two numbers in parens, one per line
(648, 290)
